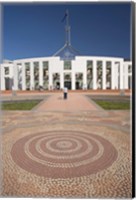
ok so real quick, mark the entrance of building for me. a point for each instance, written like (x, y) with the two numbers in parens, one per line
(79, 81)
(8, 83)
(77, 86)
(58, 85)
(67, 84)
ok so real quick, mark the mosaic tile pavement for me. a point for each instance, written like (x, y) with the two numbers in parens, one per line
(66, 154)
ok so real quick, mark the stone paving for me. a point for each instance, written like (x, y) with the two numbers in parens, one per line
(66, 148)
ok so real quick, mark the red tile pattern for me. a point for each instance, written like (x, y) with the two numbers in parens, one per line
(63, 154)
(92, 147)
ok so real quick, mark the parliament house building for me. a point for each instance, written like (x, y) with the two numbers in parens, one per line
(66, 68)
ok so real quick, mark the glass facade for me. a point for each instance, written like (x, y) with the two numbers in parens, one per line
(108, 75)
(89, 74)
(45, 74)
(19, 68)
(129, 69)
(6, 70)
(36, 75)
(27, 75)
(67, 65)
(56, 81)
(79, 81)
(67, 80)
(99, 74)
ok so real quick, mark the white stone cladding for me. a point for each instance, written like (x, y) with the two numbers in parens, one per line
(49, 73)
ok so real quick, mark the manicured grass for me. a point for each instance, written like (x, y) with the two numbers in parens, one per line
(115, 105)
(26, 105)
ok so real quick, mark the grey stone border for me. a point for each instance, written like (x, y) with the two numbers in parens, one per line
(108, 125)
(96, 105)
(23, 98)
(39, 104)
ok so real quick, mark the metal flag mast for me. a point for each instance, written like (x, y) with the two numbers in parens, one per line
(67, 28)
(67, 52)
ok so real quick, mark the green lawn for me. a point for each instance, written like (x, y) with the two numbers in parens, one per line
(26, 105)
(115, 105)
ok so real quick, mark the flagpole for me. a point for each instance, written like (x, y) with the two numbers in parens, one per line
(67, 28)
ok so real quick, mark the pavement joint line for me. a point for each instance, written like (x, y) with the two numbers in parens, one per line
(79, 111)
(41, 103)
(95, 104)
(23, 98)
(117, 127)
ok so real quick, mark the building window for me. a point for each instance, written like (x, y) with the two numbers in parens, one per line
(129, 69)
(36, 70)
(89, 67)
(45, 65)
(6, 70)
(67, 65)
(36, 75)
(108, 74)
(89, 74)
(45, 74)
(79, 81)
(56, 80)
(27, 75)
(27, 68)
(99, 74)
(45, 69)
(67, 76)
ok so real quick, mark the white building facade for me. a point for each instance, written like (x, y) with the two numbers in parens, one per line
(82, 72)
(66, 68)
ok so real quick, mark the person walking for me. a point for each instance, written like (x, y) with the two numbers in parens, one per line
(65, 93)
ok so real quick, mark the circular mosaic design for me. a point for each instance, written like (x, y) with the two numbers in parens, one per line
(63, 154)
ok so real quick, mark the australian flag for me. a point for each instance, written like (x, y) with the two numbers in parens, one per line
(66, 14)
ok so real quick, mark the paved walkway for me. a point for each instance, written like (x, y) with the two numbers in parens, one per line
(74, 102)
(78, 152)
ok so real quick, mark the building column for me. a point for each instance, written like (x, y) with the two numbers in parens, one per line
(112, 75)
(94, 75)
(104, 75)
(40, 73)
(31, 76)
(121, 76)
(50, 81)
(23, 77)
(2, 79)
(116, 66)
(125, 76)
(85, 78)
(130, 81)
(15, 76)
(61, 80)
(73, 81)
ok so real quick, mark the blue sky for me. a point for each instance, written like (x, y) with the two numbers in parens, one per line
(36, 30)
